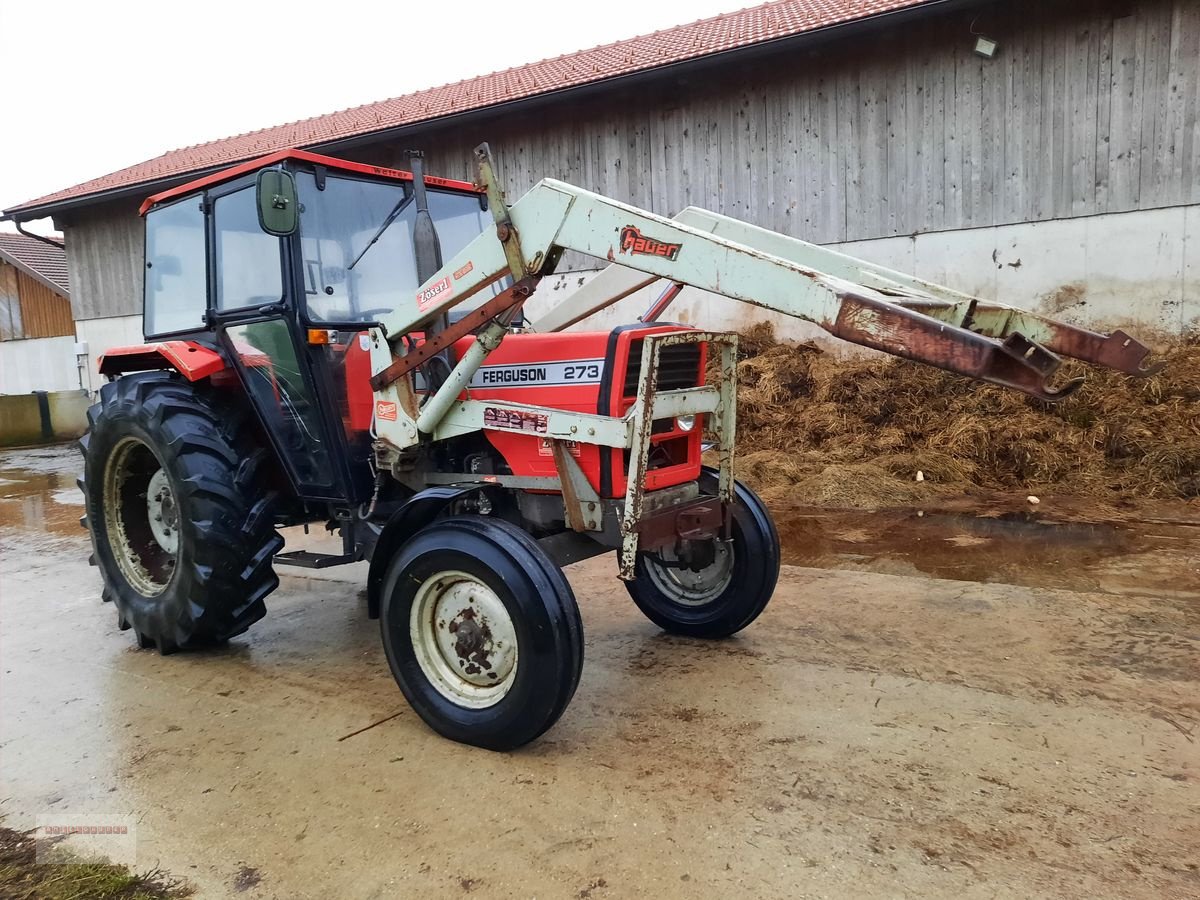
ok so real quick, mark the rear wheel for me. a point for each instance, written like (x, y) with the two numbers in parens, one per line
(481, 632)
(725, 593)
(180, 518)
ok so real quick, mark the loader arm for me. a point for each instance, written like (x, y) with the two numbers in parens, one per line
(988, 318)
(851, 299)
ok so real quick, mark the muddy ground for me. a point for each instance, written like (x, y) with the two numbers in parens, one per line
(938, 705)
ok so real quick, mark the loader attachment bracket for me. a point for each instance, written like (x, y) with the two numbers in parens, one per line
(719, 403)
(1117, 350)
(1015, 362)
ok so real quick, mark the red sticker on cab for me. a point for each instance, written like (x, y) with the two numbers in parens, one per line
(385, 410)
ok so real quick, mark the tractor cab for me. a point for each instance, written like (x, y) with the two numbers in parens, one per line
(283, 263)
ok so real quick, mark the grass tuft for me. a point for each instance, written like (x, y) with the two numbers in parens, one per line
(72, 877)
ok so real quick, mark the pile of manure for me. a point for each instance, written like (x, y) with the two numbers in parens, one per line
(831, 431)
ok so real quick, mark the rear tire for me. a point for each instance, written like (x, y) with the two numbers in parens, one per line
(482, 632)
(181, 521)
(726, 596)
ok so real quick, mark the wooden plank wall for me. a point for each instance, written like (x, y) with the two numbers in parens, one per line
(10, 304)
(44, 313)
(29, 309)
(104, 260)
(1091, 107)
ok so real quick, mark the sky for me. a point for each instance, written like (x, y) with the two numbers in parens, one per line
(90, 87)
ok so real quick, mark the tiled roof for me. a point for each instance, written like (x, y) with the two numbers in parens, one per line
(730, 31)
(42, 259)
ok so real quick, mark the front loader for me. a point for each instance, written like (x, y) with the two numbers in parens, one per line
(338, 343)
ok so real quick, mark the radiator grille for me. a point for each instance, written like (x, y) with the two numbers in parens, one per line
(678, 367)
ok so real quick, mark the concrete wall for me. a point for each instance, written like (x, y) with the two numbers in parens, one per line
(50, 364)
(1138, 268)
(38, 364)
(27, 419)
(103, 334)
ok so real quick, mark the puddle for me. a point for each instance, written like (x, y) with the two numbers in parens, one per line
(1014, 547)
(41, 501)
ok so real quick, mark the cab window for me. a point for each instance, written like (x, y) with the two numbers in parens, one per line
(176, 293)
(249, 269)
(459, 219)
(347, 278)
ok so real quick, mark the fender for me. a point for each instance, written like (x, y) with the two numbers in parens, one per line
(418, 511)
(190, 359)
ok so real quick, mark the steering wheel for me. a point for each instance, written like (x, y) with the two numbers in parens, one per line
(377, 311)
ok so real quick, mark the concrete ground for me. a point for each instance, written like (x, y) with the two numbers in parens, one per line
(871, 735)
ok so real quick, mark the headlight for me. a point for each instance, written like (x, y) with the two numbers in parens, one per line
(685, 423)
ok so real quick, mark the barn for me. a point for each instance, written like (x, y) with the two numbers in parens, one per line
(37, 335)
(1045, 153)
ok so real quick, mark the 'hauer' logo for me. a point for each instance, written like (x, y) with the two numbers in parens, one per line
(633, 241)
(433, 293)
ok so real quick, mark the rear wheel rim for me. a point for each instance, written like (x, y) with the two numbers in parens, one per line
(136, 491)
(689, 587)
(163, 512)
(464, 639)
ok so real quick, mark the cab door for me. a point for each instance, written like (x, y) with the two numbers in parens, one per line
(251, 305)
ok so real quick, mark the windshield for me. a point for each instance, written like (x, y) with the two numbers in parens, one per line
(336, 227)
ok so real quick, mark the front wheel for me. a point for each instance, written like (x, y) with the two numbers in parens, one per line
(482, 632)
(725, 594)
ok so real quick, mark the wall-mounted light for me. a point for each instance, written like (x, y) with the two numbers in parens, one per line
(986, 47)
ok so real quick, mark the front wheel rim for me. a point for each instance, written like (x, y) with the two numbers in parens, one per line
(689, 587)
(464, 639)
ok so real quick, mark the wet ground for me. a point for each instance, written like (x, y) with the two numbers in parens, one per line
(964, 702)
(1152, 553)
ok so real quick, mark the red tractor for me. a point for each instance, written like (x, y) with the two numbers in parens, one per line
(338, 343)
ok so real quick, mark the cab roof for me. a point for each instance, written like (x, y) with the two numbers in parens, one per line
(304, 156)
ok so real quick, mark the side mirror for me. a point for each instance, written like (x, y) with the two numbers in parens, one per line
(278, 209)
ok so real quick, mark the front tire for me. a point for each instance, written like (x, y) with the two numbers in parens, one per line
(180, 518)
(482, 632)
(723, 597)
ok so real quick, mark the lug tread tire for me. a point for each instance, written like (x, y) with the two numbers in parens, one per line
(545, 611)
(227, 539)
